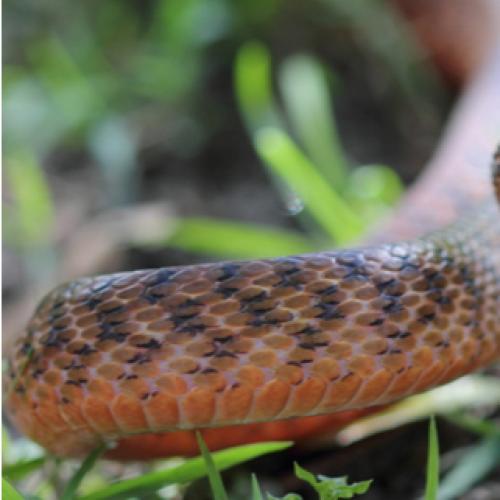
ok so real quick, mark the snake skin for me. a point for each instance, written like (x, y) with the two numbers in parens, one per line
(244, 342)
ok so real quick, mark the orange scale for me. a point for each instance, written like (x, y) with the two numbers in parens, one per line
(235, 403)
(307, 395)
(277, 341)
(406, 344)
(327, 368)
(291, 374)
(71, 392)
(340, 350)
(151, 314)
(108, 305)
(162, 412)
(79, 309)
(270, 400)
(48, 413)
(299, 301)
(146, 370)
(403, 382)
(123, 354)
(209, 298)
(265, 358)
(341, 392)
(249, 293)
(269, 280)
(373, 387)
(184, 365)
(62, 360)
(52, 377)
(255, 268)
(410, 299)
(135, 387)
(128, 413)
(318, 286)
(101, 388)
(225, 307)
(416, 327)
(430, 376)
(110, 371)
(200, 348)
(72, 414)
(282, 292)
(223, 363)
(366, 293)
(349, 308)
(197, 287)
(331, 325)
(198, 406)
(362, 365)
(173, 384)
(375, 346)
(130, 293)
(310, 312)
(87, 320)
(238, 319)
(301, 355)
(255, 331)
(251, 375)
(215, 381)
(394, 362)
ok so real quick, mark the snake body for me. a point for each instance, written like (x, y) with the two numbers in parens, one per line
(241, 349)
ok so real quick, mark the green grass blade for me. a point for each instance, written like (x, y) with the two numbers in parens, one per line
(432, 476)
(252, 78)
(214, 477)
(189, 471)
(235, 240)
(472, 467)
(9, 492)
(22, 468)
(256, 493)
(328, 209)
(71, 488)
(306, 96)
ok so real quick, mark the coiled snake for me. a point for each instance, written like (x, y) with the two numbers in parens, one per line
(144, 357)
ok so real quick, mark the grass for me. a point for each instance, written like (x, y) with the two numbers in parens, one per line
(473, 464)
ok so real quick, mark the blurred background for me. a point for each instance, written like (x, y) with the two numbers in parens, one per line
(145, 133)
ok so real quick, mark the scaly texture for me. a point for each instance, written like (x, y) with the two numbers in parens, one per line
(245, 342)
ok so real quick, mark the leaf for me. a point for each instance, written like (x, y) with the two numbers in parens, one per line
(474, 465)
(332, 488)
(71, 488)
(432, 475)
(256, 493)
(22, 468)
(188, 471)
(9, 492)
(252, 78)
(306, 96)
(235, 240)
(329, 210)
(214, 477)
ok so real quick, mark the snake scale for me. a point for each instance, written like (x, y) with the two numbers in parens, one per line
(241, 349)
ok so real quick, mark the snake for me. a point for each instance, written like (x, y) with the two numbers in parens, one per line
(281, 348)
